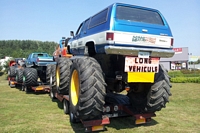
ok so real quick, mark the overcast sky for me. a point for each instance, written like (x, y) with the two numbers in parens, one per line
(49, 20)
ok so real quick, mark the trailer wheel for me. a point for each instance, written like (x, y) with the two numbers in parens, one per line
(52, 82)
(66, 106)
(156, 97)
(19, 75)
(27, 89)
(11, 85)
(72, 118)
(11, 71)
(63, 75)
(87, 88)
(30, 77)
(23, 88)
(52, 93)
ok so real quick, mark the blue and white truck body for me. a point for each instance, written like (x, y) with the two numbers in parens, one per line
(126, 30)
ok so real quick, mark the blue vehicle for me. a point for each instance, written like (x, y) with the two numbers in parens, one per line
(37, 66)
(117, 49)
(124, 29)
(39, 59)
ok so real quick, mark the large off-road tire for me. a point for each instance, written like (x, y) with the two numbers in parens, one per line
(87, 88)
(48, 73)
(159, 93)
(11, 71)
(153, 97)
(30, 77)
(63, 75)
(42, 75)
(53, 75)
(19, 75)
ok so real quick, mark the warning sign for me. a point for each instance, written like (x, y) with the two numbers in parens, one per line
(136, 64)
(177, 50)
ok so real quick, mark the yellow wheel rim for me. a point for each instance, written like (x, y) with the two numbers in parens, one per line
(58, 76)
(74, 87)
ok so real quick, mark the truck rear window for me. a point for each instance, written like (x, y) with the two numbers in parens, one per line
(42, 55)
(138, 15)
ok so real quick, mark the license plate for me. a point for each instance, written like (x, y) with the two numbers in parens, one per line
(140, 121)
(137, 64)
(143, 54)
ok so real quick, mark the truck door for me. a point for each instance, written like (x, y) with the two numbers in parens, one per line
(81, 37)
(75, 43)
(78, 43)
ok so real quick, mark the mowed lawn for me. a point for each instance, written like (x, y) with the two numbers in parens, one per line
(37, 113)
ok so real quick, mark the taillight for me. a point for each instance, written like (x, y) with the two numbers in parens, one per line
(172, 41)
(38, 60)
(109, 36)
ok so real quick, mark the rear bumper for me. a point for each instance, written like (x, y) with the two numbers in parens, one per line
(45, 63)
(131, 51)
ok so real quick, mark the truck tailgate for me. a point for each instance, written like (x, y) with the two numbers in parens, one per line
(45, 59)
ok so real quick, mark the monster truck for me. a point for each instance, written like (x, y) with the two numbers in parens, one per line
(59, 56)
(37, 65)
(15, 72)
(117, 49)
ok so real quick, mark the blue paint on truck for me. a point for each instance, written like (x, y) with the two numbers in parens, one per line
(124, 26)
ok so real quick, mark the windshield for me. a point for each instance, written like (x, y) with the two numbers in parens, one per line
(138, 15)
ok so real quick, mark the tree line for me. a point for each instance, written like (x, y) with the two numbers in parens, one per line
(22, 48)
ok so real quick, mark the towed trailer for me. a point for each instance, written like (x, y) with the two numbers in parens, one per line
(12, 82)
(117, 105)
(41, 87)
(89, 125)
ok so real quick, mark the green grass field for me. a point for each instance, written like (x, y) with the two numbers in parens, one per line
(37, 113)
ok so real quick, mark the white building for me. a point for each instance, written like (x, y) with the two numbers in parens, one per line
(178, 61)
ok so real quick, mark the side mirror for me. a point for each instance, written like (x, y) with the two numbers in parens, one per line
(71, 33)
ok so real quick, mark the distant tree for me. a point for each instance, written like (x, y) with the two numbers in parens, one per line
(22, 48)
(198, 62)
(1, 56)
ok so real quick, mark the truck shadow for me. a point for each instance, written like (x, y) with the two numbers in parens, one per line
(127, 123)
(59, 104)
(78, 127)
(118, 123)
(18, 87)
(1, 73)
